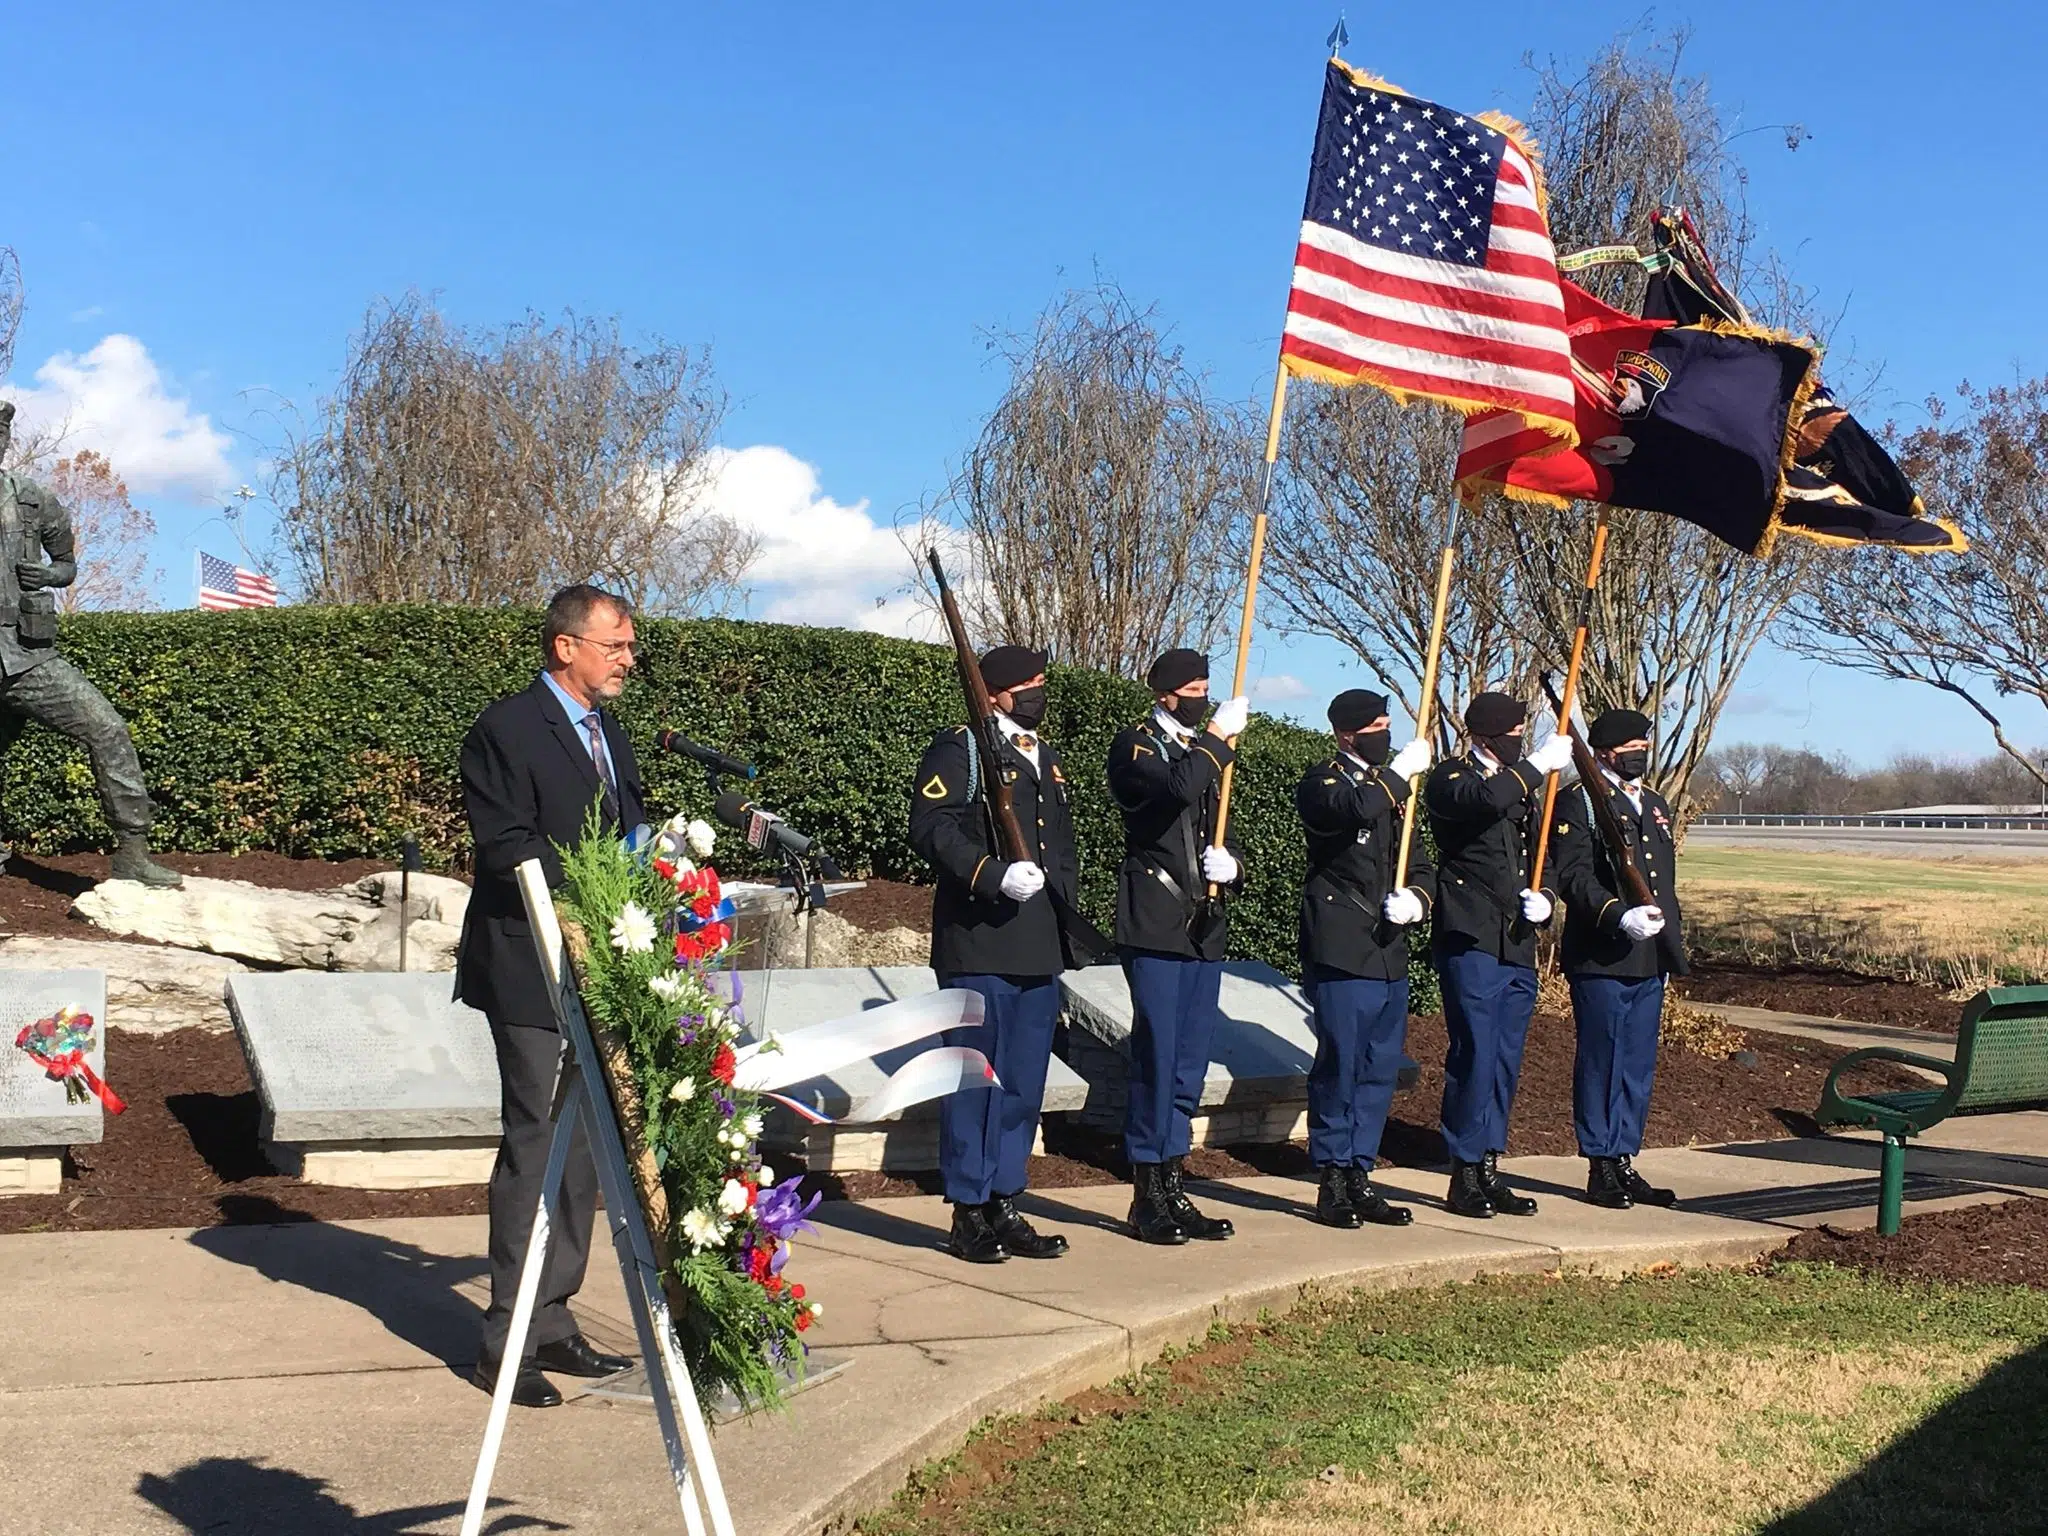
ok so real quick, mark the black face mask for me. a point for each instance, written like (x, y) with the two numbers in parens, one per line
(1027, 706)
(1190, 712)
(1632, 765)
(1374, 747)
(1506, 750)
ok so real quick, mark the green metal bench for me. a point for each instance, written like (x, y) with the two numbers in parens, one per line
(2001, 1063)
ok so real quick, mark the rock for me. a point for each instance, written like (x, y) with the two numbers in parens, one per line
(150, 989)
(340, 930)
(835, 943)
(432, 898)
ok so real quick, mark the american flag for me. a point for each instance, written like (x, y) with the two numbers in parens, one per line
(1425, 265)
(222, 585)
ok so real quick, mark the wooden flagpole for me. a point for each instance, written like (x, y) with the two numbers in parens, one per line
(1571, 690)
(1251, 590)
(1425, 706)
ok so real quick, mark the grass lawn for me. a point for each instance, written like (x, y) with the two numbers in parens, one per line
(1797, 1401)
(1958, 923)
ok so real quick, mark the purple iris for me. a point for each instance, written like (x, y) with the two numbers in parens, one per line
(688, 1025)
(780, 1212)
(726, 1107)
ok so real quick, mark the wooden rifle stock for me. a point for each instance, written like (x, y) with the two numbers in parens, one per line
(1601, 797)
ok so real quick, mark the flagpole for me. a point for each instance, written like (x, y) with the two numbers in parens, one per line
(1571, 689)
(1251, 588)
(1426, 704)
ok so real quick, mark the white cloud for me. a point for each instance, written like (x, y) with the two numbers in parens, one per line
(115, 400)
(822, 562)
(1280, 688)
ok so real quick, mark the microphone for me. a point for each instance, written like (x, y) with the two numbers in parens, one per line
(710, 757)
(762, 827)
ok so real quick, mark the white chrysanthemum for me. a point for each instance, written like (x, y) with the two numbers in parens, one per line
(677, 826)
(733, 1198)
(738, 1154)
(750, 1128)
(703, 1229)
(633, 930)
(817, 1309)
(668, 986)
(684, 1090)
(700, 838)
(766, 1177)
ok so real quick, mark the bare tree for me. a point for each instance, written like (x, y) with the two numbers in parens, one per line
(10, 307)
(1974, 626)
(115, 536)
(482, 467)
(1099, 499)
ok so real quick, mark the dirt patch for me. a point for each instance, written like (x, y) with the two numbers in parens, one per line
(1826, 993)
(186, 1154)
(36, 890)
(885, 904)
(2002, 1244)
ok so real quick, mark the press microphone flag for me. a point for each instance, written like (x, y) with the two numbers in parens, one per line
(710, 757)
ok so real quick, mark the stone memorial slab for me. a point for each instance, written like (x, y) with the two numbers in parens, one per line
(37, 1121)
(788, 1000)
(374, 1081)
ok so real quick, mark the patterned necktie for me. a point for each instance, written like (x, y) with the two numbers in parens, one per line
(602, 761)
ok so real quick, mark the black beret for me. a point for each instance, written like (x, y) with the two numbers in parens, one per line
(1494, 714)
(1176, 669)
(1356, 708)
(1619, 725)
(1008, 665)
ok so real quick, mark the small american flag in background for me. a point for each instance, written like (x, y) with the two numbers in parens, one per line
(1425, 264)
(222, 585)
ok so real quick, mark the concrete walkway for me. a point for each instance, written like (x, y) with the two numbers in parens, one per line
(1844, 1033)
(309, 1379)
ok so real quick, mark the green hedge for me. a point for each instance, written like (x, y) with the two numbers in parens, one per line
(332, 732)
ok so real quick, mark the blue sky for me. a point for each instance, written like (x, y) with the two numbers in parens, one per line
(841, 200)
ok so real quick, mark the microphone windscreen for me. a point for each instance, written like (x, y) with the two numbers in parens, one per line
(731, 808)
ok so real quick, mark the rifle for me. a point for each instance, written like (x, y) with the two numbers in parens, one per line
(1085, 942)
(1601, 798)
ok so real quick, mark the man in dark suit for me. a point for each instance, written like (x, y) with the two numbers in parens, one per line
(994, 931)
(533, 765)
(1615, 957)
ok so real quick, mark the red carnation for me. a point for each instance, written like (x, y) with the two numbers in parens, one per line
(803, 1320)
(663, 868)
(796, 1293)
(724, 1064)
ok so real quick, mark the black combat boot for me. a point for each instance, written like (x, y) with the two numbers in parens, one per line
(972, 1238)
(1151, 1214)
(1605, 1184)
(132, 862)
(1017, 1235)
(1641, 1190)
(1333, 1200)
(1505, 1200)
(1370, 1204)
(1210, 1229)
(1467, 1196)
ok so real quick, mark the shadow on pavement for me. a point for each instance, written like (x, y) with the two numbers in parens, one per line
(232, 1496)
(410, 1291)
(1971, 1468)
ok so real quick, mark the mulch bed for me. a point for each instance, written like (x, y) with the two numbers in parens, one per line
(36, 890)
(2002, 1244)
(1826, 993)
(883, 904)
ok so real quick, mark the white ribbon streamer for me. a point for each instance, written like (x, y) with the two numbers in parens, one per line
(817, 1049)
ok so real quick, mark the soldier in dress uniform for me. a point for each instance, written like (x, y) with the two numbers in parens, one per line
(1354, 949)
(994, 931)
(1615, 957)
(1165, 775)
(1484, 806)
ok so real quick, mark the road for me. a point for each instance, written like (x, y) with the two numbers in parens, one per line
(1882, 842)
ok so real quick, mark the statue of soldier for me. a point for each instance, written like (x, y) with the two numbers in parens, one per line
(37, 556)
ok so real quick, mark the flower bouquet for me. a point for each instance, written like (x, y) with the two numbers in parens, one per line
(61, 1046)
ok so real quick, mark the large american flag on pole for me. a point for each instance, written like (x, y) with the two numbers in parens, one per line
(1425, 265)
(224, 585)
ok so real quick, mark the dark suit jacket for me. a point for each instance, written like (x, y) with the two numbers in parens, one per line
(527, 784)
(1485, 822)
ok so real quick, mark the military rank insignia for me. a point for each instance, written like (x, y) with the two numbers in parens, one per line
(934, 789)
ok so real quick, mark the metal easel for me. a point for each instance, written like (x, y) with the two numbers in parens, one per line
(581, 1093)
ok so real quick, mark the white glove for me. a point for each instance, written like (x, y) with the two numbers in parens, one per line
(1410, 760)
(1536, 906)
(1230, 718)
(1641, 923)
(1022, 881)
(1219, 866)
(1554, 756)
(1402, 907)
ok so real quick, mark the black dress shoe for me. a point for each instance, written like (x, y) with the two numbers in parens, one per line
(530, 1389)
(1333, 1200)
(1017, 1235)
(1641, 1190)
(1467, 1195)
(1370, 1204)
(973, 1239)
(1208, 1229)
(1505, 1200)
(574, 1356)
(1605, 1184)
(1151, 1216)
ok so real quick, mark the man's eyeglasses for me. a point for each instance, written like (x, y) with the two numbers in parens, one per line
(613, 649)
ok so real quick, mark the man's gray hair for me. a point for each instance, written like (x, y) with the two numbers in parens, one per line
(569, 611)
